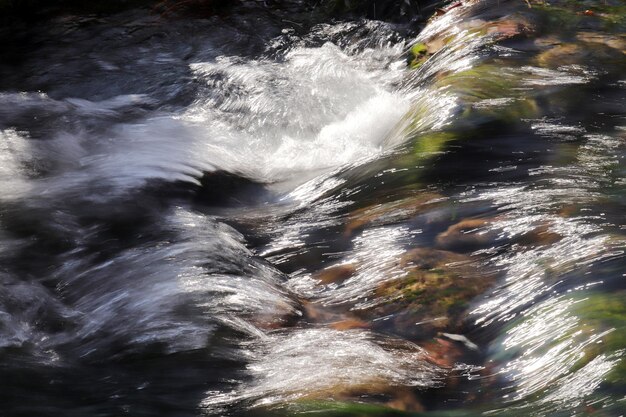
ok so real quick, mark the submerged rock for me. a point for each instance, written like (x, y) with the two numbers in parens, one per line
(432, 297)
(292, 369)
(613, 41)
(565, 350)
(335, 274)
(467, 235)
(392, 212)
(329, 408)
(573, 54)
(442, 352)
(491, 92)
(542, 235)
(605, 314)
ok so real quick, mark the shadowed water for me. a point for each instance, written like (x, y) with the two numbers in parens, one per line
(256, 215)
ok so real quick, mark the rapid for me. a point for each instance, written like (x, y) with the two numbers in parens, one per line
(273, 214)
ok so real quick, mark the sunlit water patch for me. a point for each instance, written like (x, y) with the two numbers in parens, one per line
(233, 216)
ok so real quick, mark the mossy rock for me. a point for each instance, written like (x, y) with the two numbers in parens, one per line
(485, 81)
(507, 110)
(555, 17)
(491, 92)
(594, 326)
(433, 296)
(432, 142)
(419, 55)
(606, 312)
(341, 409)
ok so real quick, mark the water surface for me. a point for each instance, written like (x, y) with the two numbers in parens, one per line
(249, 214)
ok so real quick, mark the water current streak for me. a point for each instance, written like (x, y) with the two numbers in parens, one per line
(262, 214)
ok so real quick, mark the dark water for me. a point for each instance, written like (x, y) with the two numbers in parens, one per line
(263, 214)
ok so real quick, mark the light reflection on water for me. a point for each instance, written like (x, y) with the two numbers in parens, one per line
(475, 172)
(281, 364)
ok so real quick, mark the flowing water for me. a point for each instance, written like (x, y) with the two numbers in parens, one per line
(272, 214)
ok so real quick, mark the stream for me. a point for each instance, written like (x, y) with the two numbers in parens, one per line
(273, 213)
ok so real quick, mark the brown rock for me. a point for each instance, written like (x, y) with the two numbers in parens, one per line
(335, 274)
(443, 353)
(349, 324)
(509, 27)
(539, 236)
(467, 235)
(389, 213)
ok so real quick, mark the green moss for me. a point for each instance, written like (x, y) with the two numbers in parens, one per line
(608, 309)
(489, 82)
(427, 144)
(554, 18)
(419, 55)
(419, 49)
(486, 81)
(435, 285)
(597, 314)
(606, 312)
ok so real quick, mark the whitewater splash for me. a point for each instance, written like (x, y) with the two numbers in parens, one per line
(213, 217)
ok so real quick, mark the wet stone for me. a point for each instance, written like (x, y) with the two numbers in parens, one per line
(442, 352)
(510, 27)
(390, 213)
(564, 54)
(467, 235)
(433, 297)
(321, 314)
(576, 54)
(349, 324)
(539, 236)
(335, 274)
(613, 41)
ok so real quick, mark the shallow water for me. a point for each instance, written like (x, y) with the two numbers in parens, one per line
(250, 215)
